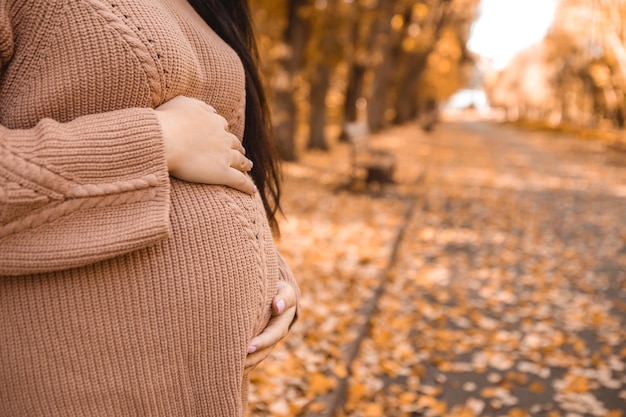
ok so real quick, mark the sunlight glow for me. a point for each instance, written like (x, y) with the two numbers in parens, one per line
(504, 27)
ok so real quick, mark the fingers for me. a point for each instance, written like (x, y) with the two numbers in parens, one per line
(237, 145)
(199, 147)
(239, 181)
(237, 158)
(261, 346)
(284, 311)
(240, 162)
(285, 298)
(235, 142)
(275, 331)
(213, 113)
(253, 359)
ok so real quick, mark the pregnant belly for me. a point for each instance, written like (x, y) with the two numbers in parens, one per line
(220, 211)
(179, 314)
(225, 236)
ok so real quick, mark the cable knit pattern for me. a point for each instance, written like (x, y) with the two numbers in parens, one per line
(123, 292)
(137, 41)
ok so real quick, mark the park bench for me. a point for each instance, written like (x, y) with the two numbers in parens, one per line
(367, 164)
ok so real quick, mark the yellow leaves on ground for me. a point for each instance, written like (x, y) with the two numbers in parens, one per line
(320, 384)
(504, 300)
(494, 312)
(338, 245)
(537, 387)
(438, 407)
(517, 412)
(340, 370)
(373, 410)
(576, 384)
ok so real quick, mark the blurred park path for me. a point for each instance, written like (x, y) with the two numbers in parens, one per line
(497, 265)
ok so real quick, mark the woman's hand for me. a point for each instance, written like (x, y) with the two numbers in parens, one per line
(283, 313)
(198, 146)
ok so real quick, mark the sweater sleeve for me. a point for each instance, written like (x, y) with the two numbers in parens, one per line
(78, 192)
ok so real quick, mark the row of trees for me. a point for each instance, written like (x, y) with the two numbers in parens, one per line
(381, 62)
(576, 76)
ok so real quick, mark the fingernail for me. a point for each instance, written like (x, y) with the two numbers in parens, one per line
(252, 349)
(255, 189)
(211, 108)
(280, 306)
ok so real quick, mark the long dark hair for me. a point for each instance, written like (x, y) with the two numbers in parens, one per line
(231, 20)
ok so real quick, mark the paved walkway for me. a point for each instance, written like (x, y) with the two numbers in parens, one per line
(496, 266)
(509, 293)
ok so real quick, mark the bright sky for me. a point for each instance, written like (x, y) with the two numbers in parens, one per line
(506, 26)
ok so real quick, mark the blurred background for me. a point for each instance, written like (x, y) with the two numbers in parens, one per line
(455, 206)
(556, 62)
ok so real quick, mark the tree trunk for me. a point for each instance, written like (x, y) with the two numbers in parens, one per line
(412, 67)
(283, 117)
(358, 67)
(389, 46)
(354, 91)
(284, 109)
(356, 73)
(406, 99)
(317, 117)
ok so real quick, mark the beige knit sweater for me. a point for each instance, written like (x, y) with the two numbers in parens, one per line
(123, 292)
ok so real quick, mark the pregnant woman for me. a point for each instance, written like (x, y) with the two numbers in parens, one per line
(138, 193)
